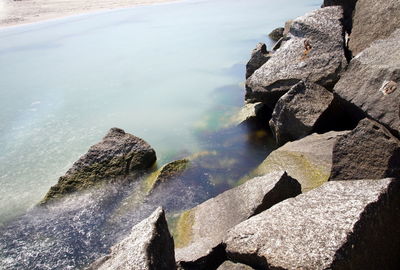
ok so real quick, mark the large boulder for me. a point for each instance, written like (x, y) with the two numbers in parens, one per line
(314, 51)
(150, 246)
(199, 231)
(308, 160)
(373, 20)
(259, 56)
(341, 225)
(298, 112)
(371, 82)
(118, 154)
(368, 151)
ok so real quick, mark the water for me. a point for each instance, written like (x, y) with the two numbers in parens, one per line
(170, 74)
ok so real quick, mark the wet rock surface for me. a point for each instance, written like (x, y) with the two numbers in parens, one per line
(368, 151)
(371, 82)
(199, 231)
(314, 51)
(373, 20)
(340, 225)
(259, 56)
(296, 113)
(118, 154)
(149, 246)
(308, 160)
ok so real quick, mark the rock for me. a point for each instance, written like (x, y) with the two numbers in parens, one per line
(259, 57)
(348, 9)
(308, 160)
(368, 151)
(373, 20)
(149, 246)
(228, 265)
(250, 112)
(371, 82)
(298, 112)
(199, 231)
(314, 51)
(340, 225)
(165, 173)
(118, 154)
(277, 33)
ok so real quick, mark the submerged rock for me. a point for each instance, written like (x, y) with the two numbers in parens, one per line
(118, 154)
(373, 20)
(314, 51)
(199, 231)
(150, 246)
(368, 151)
(296, 113)
(277, 33)
(249, 112)
(228, 265)
(259, 56)
(372, 82)
(165, 173)
(308, 160)
(341, 225)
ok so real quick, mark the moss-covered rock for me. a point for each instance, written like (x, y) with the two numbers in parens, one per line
(308, 160)
(119, 154)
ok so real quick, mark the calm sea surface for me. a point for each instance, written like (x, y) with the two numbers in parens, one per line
(171, 74)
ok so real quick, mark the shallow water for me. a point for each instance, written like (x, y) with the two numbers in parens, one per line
(170, 74)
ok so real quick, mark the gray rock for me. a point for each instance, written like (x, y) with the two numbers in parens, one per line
(314, 51)
(348, 9)
(259, 57)
(248, 113)
(118, 154)
(340, 225)
(297, 113)
(373, 20)
(277, 33)
(368, 151)
(199, 231)
(228, 265)
(372, 82)
(149, 247)
(308, 160)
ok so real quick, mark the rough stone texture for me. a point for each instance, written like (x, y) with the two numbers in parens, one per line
(308, 160)
(118, 154)
(165, 173)
(364, 84)
(150, 246)
(296, 113)
(368, 151)
(341, 225)
(199, 231)
(259, 57)
(228, 265)
(373, 20)
(277, 33)
(314, 51)
(348, 9)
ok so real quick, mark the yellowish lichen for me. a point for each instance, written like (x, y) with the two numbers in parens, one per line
(181, 228)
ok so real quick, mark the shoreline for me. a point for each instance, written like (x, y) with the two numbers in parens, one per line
(25, 12)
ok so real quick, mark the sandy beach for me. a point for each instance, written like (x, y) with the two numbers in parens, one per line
(30, 11)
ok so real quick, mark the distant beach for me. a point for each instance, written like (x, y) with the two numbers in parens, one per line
(29, 11)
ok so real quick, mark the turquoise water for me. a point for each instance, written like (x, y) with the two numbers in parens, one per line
(171, 74)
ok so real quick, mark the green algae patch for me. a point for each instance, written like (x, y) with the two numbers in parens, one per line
(308, 172)
(181, 228)
(165, 173)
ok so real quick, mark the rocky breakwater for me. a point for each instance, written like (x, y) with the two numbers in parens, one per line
(313, 51)
(119, 154)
